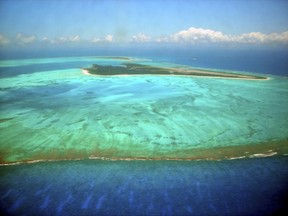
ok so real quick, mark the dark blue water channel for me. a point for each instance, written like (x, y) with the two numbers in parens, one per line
(96, 187)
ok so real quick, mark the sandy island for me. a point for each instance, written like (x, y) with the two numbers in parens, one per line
(132, 69)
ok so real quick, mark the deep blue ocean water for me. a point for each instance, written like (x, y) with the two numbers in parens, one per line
(232, 187)
(229, 187)
(264, 61)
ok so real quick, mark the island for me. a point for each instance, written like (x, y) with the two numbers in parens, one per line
(141, 69)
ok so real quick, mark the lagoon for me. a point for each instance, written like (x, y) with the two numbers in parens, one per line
(64, 114)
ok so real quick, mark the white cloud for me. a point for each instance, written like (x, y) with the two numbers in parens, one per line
(195, 35)
(74, 38)
(25, 39)
(96, 40)
(61, 40)
(68, 39)
(109, 38)
(140, 38)
(205, 36)
(163, 39)
(4, 40)
(257, 37)
(45, 39)
(189, 36)
(253, 37)
(283, 37)
(106, 39)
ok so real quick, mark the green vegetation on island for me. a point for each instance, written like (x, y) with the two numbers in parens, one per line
(139, 69)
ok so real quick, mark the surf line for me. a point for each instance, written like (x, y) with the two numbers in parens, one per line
(260, 155)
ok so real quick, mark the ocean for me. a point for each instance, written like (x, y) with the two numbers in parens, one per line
(237, 187)
(265, 61)
(73, 144)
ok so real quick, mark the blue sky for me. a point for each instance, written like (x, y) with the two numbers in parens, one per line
(154, 21)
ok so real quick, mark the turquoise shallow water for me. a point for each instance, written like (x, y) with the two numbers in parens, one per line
(64, 114)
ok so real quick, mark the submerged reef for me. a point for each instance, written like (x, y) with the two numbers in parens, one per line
(140, 69)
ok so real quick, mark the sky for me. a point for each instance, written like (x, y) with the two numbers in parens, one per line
(94, 22)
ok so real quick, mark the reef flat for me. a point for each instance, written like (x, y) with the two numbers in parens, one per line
(140, 69)
(50, 111)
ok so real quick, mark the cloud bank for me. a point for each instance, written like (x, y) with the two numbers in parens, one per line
(107, 39)
(62, 40)
(199, 35)
(191, 36)
(140, 38)
(25, 39)
(194, 35)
